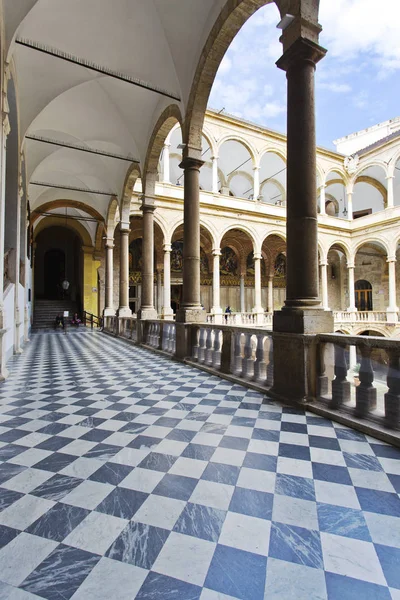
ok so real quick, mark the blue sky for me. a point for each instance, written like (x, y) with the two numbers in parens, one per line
(357, 83)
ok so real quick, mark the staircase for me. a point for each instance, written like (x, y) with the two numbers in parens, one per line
(45, 312)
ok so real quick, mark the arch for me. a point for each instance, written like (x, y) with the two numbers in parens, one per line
(168, 119)
(375, 183)
(343, 247)
(272, 150)
(203, 224)
(377, 241)
(374, 163)
(210, 141)
(382, 329)
(160, 221)
(230, 20)
(245, 229)
(113, 216)
(132, 175)
(76, 226)
(231, 137)
(338, 171)
(98, 240)
(53, 204)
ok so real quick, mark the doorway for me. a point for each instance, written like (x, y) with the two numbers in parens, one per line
(363, 293)
(54, 268)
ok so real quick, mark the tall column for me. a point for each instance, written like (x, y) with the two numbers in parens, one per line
(147, 310)
(216, 308)
(352, 295)
(256, 182)
(191, 310)
(350, 205)
(392, 310)
(322, 200)
(109, 310)
(18, 310)
(123, 309)
(390, 194)
(167, 311)
(242, 294)
(166, 173)
(159, 293)
(215, 186)
(271, 293)
(299, 62)
(257, 284)
(324, 285)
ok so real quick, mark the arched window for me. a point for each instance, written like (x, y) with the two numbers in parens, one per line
(363, 292)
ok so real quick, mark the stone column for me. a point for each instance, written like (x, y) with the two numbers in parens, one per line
(166, 173)
(302, 313)
(216, 308)
(109, 310)
(392, 310)
(167, 311)
(322, 200)
(18, 310)
(159, 293)
(257, 284)
(242, 294)
(350, 205)
(352, 295)
(390, 194)
(256, 182)
(271, 293)
(147, 310)
(123, 309)
(191, 310)
(324, 285)
(299, 62)
(215, 187)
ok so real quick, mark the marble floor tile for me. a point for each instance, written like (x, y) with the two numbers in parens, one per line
(22, 555)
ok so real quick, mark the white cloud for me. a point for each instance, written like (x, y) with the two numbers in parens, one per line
(336, 88)
(273, 109)
(352, 27)
(225, 65)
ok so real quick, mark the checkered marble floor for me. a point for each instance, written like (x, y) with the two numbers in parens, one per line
(126, 475)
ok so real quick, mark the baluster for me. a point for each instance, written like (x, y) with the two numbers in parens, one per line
(392, 396)
(209, 347)
(173, 339)
(165, 337)
(160, 336)
(260, 368)
(248, 361)
(202, 346)
(365, 392)
(322, 383)
(217, 349)
(237, 356)
(270, 366)
(340, 385)
(196, 345)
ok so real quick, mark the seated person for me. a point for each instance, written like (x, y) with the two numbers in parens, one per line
(76, 320)
(59, 322)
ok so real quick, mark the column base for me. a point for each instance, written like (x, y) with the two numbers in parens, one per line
(167, 313)
(191, 315)
(147, 314)
(124, 311)
(109, 312)
(392, 315)
(297, 320)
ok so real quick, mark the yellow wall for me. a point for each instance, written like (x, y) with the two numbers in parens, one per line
(90, 266)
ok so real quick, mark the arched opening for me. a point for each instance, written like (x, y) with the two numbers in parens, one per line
(363, 293)
(274, 286)
(58, 258)
(237, 283)
(236, 166)
(370, 193)
(335, 196)
(273, 179)
(337, 278)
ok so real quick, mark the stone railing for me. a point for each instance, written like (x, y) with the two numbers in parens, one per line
(368, 390)
(370, 316)
(237, 319)
(246, 354)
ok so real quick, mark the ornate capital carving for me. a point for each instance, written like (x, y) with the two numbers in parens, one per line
(301, 51)
(167, 248)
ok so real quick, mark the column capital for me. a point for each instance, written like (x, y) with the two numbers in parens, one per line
(191, 163)
(124, 227)
(215, 156)
(216, 252)
(389, 177)
(257, 256)
(301, 51)
(147, 208)
(391, 259)
(350, 265)
(323, 263)
(167, 247)
(109, 243)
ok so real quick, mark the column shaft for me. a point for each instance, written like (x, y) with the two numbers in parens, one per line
(392, 309)
(302, 250)
(242, 295)
(109, 279)
(215, 186)
(147, 310)
(256, 182)
(257, 284)
(390, 193)
(324, 285)
(350, 205)
(271, 294)
(124, 310)
(166, 309)
(216, 308)
(191, 307)
(352, 296)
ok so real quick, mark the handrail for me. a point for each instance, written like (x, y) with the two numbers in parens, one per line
(92, 319)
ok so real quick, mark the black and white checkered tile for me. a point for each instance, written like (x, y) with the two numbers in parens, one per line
(126, 475)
